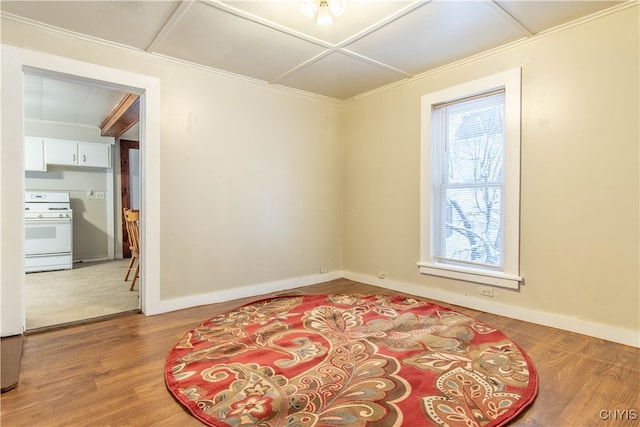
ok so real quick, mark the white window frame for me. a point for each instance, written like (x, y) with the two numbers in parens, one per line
(509, 275)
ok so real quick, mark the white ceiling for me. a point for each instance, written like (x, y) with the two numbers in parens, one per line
(374, 44)
(67, 102)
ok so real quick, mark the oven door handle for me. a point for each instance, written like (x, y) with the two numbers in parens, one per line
(48, 219)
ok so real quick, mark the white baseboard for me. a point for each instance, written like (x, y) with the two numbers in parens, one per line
(165, 306)
(96, 259)
(554, 320)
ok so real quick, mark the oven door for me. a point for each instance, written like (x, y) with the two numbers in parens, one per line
(47, 236)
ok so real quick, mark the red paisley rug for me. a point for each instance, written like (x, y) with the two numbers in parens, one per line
(349, 360)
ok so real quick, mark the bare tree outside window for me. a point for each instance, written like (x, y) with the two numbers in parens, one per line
(472, 182)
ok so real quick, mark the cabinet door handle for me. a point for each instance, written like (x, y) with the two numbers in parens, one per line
(84, 159)
(74, 158)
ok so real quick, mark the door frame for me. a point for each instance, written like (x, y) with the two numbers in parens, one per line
(125, 188)
(15, 62)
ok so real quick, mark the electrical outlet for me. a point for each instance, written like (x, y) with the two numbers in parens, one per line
(323, 270)
(99, 194)
(486, 292)
(381, 275)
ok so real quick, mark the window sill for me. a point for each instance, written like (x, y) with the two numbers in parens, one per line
(471, 275)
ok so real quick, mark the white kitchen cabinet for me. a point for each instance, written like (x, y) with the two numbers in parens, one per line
(72, 153)
(94, 155)
(60, 152)
(34, 154)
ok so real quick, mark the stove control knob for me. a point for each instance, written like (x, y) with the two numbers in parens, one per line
(40, 216)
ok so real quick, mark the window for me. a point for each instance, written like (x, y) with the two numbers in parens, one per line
(470, 184)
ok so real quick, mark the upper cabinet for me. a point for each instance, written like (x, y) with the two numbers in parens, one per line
(46, 151)
(72, 153)
(59, 152)
(94, 155)
(34, 154)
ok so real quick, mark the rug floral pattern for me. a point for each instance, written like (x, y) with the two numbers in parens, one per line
(349, 361)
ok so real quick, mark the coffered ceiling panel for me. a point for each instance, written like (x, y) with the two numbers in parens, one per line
(221, 40)
(436, 34)
(539, 16)
(132, 23)
(339, 76)
(360, 16)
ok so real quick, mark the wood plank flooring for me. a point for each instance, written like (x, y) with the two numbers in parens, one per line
(110, 373)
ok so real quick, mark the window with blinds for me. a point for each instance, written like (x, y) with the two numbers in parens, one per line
(470, 181)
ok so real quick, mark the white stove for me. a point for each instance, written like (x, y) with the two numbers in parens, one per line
(48, 231)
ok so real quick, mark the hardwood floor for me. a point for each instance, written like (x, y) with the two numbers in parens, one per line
(111, 372)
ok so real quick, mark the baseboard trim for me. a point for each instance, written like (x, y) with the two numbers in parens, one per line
(224, 295)
(88, 260)
(553, 320)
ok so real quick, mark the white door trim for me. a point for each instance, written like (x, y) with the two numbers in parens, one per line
(12, 183)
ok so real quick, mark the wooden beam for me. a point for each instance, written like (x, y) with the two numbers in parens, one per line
(125, 115)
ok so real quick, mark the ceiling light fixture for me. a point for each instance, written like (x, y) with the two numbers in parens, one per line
(324, 11)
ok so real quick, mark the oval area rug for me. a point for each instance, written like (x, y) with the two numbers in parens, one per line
(349, 360)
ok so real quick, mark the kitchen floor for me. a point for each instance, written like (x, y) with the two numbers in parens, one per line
(90, 290)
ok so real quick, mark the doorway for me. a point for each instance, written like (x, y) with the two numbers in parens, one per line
(95, 287)
(15, 63)
(129, 184)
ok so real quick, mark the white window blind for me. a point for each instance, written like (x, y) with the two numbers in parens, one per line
(468, 188)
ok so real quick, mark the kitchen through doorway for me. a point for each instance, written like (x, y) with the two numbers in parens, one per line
(70, 109)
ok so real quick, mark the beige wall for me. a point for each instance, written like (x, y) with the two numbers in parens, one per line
(579, 188)
(251, 185)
